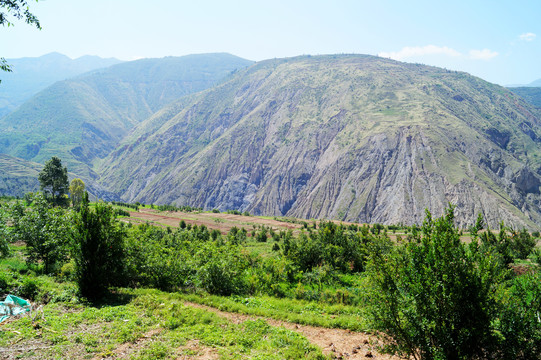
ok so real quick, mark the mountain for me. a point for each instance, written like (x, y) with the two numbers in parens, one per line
(18, 176)
(536, 83)
(31, 75)
(82, 119)
(352, 137)
(530, 94)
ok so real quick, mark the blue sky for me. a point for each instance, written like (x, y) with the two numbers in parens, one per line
(499, 41)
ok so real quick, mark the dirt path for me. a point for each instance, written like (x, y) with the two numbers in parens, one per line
(343, 344)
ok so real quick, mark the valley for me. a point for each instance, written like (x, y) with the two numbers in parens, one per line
(347, 137)
(270, 180)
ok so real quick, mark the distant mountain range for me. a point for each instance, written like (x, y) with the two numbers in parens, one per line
(348, 137)
(31, 75)
(82, 119)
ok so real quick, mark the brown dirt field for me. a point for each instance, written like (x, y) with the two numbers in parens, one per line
(219, 221)
(342, 344)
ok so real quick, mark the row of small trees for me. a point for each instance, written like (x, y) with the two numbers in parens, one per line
(90, 237)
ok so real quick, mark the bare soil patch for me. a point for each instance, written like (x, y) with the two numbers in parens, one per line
(194, 350)
(220, 221)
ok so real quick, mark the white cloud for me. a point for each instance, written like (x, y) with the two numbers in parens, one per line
(484, 54)
(408, 52)
(527, 37)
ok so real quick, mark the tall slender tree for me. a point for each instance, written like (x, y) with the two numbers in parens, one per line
(53, 181)
(77, 190)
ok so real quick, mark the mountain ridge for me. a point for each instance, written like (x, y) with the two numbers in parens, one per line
(82, 119)
(351, 137)
(32, 74)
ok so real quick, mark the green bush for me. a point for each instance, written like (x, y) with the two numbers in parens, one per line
(220, 270)
(520, 318)
(522, 244)
(46, 232)
(433, 295)
(331, 244)
(4, 283)
(98, 249)
(28, 289)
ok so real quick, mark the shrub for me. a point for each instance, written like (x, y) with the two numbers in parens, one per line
(519, 319)
(220, 270)
(522, 244)
(433, 295)
(261, 236)
(46, 232)
(98, 249)
(28, 289)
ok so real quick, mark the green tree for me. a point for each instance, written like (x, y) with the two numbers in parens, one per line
(46, 232)
(98, 249)
(77, 190)
(434, 295)
(4, 231)
(522, 244)
(19, 10)
(53, 181)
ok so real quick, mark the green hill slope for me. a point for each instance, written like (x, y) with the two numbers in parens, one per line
(530, 94)
(82, 119)
(18, 176)
(31, 75)
(356, 138)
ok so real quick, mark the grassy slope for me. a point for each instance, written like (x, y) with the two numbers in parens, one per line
(530, 94)
(18, 176)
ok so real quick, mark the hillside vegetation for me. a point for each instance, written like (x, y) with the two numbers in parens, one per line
(18, 176)
(109, 288)
(530, 94)
(355, 138)
(82, 119)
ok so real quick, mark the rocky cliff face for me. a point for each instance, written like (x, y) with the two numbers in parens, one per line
(354, 138)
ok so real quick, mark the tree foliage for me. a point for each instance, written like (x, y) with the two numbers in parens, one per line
(53, 181)
(433, 295)
(19, 10)
(4, 230)
(46, 232)
(98, 249)
(77, 190)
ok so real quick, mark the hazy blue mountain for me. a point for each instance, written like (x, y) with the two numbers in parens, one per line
(536, 83)
(31, 75)
(83, 118)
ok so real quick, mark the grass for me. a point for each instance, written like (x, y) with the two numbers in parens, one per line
(142, 323)
(290, 310)
(146, 324)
